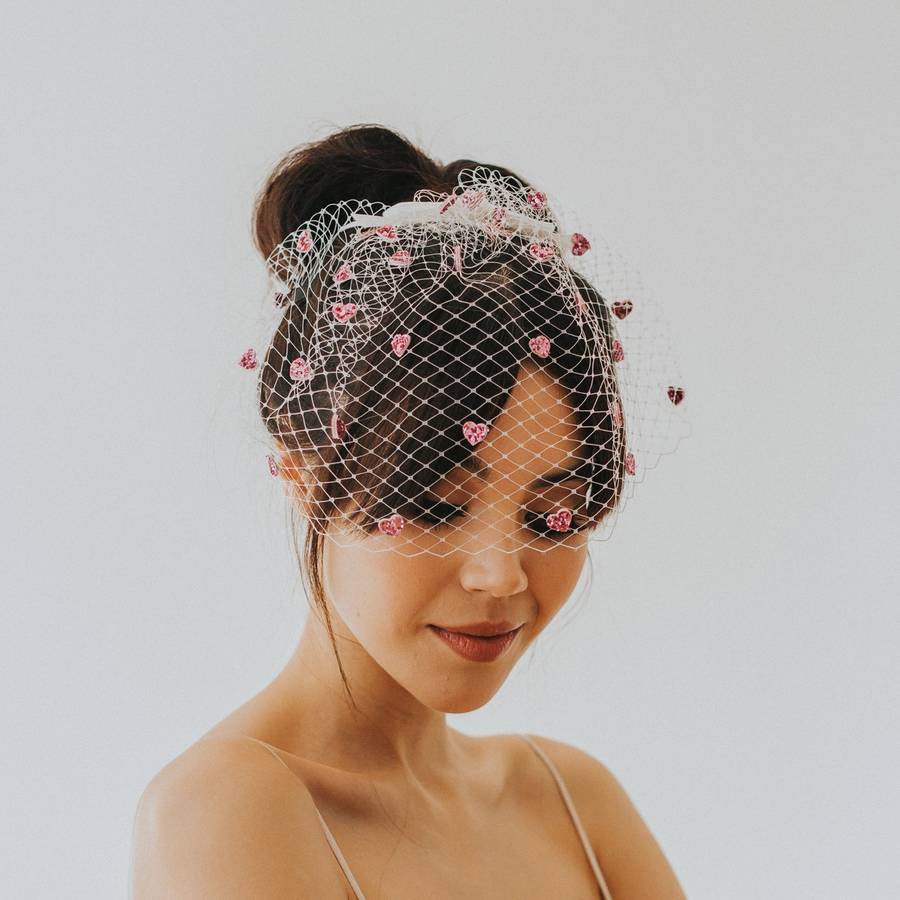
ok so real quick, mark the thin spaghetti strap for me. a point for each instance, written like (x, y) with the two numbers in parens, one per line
(357, 890)
(274, 753)
(567, 798)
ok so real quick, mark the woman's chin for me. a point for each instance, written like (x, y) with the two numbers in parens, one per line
(457, 695)
(461, 704)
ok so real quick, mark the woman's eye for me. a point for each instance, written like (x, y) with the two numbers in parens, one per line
(442, 513)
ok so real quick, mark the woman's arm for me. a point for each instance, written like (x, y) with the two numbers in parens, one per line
(224, 820)
(633, 863)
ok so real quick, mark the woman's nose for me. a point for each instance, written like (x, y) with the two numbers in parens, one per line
(493, 564)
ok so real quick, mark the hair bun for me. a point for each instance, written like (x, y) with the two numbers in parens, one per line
(361, 161)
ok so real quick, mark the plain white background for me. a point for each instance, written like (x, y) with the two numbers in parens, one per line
(735, 663)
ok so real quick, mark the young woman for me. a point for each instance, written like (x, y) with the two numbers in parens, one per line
(442, 396)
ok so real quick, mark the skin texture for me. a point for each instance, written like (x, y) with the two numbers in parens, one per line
(405, 678)
(411, 801)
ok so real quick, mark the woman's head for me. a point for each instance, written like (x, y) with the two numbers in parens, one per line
(459, 410)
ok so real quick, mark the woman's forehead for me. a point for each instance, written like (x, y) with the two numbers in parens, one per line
(537, 466)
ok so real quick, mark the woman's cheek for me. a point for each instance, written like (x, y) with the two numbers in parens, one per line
(378, 594)
(552, 581)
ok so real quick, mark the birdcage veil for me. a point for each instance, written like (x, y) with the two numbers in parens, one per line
(417, 359)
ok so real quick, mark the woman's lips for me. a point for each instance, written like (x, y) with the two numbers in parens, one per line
(476, 649)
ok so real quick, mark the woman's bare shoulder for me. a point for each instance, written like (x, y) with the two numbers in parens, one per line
(632, 860)
(226, 819)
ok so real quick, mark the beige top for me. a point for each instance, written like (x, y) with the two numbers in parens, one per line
(563, 790)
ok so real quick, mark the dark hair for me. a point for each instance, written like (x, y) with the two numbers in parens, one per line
(453, 378)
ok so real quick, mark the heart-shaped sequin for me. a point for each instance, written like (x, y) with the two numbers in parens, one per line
(338, 428)
(400, 342)
(629, 463)
(343, 273)
(400, 258)
(248, 359)
(580, 305)
(537, 200)
(447, 203)
(541, 251)
(474, 432)
(389, 232)
(621, 308)
(676, 394)
(391, 525)
(273, 466)
(618, 352)
(301, 370)
(304, 241)
(616, 409)
(540, 346)
(457, 257)
(343, 312)
(580, 244)
(560, 521)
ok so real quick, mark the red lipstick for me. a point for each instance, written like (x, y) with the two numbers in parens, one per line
(482, 629)
(479, 648)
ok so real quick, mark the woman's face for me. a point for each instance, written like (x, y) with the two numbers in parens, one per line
(497, 561)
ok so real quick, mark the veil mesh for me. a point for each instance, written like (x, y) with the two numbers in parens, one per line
(459, 371)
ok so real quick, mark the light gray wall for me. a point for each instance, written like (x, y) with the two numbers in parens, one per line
(736, 662)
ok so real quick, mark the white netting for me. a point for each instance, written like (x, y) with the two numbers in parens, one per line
(460, 370)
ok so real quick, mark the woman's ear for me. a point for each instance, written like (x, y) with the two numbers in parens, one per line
(291, 465)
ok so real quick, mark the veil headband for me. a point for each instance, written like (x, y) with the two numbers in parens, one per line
(460, 371)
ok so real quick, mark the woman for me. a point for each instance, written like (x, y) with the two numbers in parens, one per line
(445, 411)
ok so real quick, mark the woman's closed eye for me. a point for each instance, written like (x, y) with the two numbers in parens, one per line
(441, 513)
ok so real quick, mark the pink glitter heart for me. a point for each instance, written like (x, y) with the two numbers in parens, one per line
(618, 353)
(338, 428)
(616, 414)
(304, 241)
(248, 359)
(560, 521)
(457, 257)
(273, 466)
(400, 258)
(540, 346)
(301, 370)
(391, 525)
(474, 432)
(541, 251)
(387, 231)
(579, 301)
(537, 199)
(621, 308)
(676, 394)
(629, 463)
(343, 312)
(498, 215)
(580, 244)
(448, 203)
(343, 273)
(400, 342)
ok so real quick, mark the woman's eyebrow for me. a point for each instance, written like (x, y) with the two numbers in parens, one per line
(482, 470)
